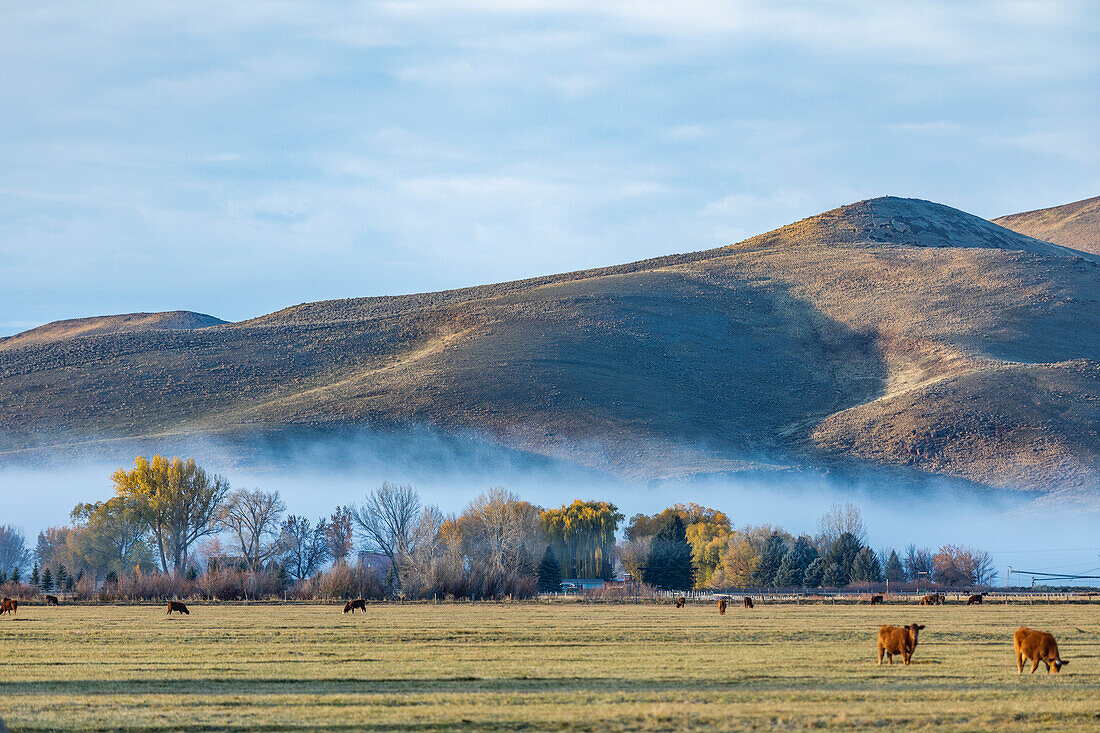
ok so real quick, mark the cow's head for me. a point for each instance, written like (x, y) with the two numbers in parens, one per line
(914, 629)
(1057, 665)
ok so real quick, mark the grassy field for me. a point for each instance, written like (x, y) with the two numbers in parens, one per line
(538, 667)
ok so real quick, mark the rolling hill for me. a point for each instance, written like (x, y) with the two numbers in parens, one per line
(889, 334)
(1074, 225)
(126, 322)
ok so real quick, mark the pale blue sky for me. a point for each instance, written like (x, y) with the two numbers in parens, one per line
(235, 158)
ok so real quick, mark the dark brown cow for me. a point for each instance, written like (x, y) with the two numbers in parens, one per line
(721, 606)
(897, 640)
(8, 605)
(681, 602)
(52, 601)
(359, 603)
(975, 600)
(1036, 646)
(876, 600)
(934, 599)
(177, 606)
(747, 602)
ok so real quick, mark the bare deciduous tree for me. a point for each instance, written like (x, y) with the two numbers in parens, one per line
(502, 528)
(305, 547)
(839, 519)
(252, 517)
(388, 522)
(338, 534)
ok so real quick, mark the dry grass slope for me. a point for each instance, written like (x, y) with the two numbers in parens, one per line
(1074, 225)
(127, 322)
(861, 337)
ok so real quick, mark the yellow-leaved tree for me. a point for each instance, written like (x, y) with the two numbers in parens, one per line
(737, 562)
(177, 499)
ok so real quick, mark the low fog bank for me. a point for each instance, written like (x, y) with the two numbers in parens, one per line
(1022, 530)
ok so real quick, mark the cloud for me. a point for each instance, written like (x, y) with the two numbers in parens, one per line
(292, 151)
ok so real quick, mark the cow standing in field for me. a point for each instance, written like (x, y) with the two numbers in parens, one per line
(1036, 646)
(975, 600)
(748, 602)
(178, 607)
(897, 640)
(8, 605)
(934, 599)
(876, 600)
(52, 601)
(359, 603)
(721, 606)
(681, 602)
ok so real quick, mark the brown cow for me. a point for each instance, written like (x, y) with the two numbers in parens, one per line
(359, 603)
(975, 600)
(721, 606)
(681, 602)
(177, 606)
(876, 600)
(748, 601)
(52, 601)
(8, 605)
(1036, 646)
(897, 640)
(934, 599)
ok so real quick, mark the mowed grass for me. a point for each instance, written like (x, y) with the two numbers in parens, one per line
(532, 666)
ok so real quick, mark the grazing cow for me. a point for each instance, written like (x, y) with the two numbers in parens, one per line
(359, 603)
(1036, 646)
(934, 599)
(721, 606)
(52, 601)
(177, 606)
(8, 605)
(681, 602)
(748, 601)
(975, 600)
(897, 640)
(876, 600)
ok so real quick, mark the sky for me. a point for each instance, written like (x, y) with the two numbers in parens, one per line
(237, 158)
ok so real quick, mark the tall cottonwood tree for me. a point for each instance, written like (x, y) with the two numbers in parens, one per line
(179, 501)
(389, 522)
(252, 517)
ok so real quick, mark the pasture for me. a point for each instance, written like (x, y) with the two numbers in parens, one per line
(561, 666)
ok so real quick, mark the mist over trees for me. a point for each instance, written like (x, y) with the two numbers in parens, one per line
(172, 523)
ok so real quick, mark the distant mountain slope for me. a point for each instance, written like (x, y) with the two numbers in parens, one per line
(1074, 225)
(867, 336)
(126, 322)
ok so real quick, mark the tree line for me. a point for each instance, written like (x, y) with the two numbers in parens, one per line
(173, 528)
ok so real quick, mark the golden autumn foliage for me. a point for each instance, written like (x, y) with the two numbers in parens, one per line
(583, 537)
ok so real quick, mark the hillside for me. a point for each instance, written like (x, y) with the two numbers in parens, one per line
(127, 322)
(1074, 225)
(891, 332)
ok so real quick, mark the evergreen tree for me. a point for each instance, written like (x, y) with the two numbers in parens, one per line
(894, 570)
(34, 575)
(866, 567)
(668, 563)
(790, 571)
(4, 576)
(111, 578)
(834, 576)
(47, 580)
(15, 574)
(771, 558)
(62, 576)
(843, 552)
(812, 576)
(549, 572)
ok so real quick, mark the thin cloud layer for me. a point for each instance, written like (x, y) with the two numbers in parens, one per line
(233, 159)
